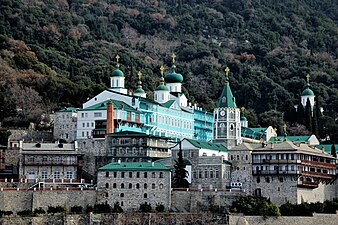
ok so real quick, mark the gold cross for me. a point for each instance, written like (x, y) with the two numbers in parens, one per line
(162, 69)
(139, 74)
(117, 57)
(284, 127)
(174, 57)
(227, 70)
(308, 78)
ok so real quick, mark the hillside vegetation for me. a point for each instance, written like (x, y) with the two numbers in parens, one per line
(56, 53)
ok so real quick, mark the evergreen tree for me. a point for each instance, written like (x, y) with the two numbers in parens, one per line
(290, 114)
(308, 115)
(315, 123)
(300, 113)
(180, 174)
(333, 150)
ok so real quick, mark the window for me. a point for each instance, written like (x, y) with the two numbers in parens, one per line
(130, 174)
(122, 174)
(206, 174)
(107, 174)
(145, 195)
(115, 174)
(145, 186)
(153, 186)
(217, 174)
(145, 174)
(44, 158)
(153, 175)
(107, 185)
(97, 114)
(114, 185)
(57, 174)
(161, 174)
(69, 175)
(267, 179)
(281, 179)
(106, 194)
(122, 186)
(122, 195)
(200, 174)
(137, 186)
(44, 175)
(138, 175)
(83, 124)
(130, 185)
(258, 180)
(57, 159)
(211, 174)
(161, 186)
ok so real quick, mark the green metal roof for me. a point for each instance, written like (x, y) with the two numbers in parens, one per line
(226, 100)
(69, 109)
(162, 88)
(243, 118)
(168, 103)
(327, 148)
(135, 166)
(173, 77)
(308, 91)
(139, 91)
(294, 139)
(255, 133)
(117, 105)
(117, 73)
(208, 145)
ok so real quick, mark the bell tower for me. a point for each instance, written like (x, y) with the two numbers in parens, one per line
(227, 123)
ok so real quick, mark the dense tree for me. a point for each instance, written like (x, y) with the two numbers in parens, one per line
(180, 173)
(333, 150)
(308, 115)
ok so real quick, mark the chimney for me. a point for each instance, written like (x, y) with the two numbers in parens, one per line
(119, 161)
(110, 118)
(152, 164)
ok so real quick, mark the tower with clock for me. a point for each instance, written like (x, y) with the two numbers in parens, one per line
(227, 123)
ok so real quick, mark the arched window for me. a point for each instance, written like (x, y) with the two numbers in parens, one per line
(145, 186)
(107, 185)
(145, 195)
(114, 185)
(161, 186)
(153, 186)
(130, 185)
(122, 195)
(137, 186)
(153, 175)
(122, 185)
(161, 174)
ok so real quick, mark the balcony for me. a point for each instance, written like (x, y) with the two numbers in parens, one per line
(274, 172)
(275, 161)
(50, 163)
(317, 174)
(318, 164)
(307, 184)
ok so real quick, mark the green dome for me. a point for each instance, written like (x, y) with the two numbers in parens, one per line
(139, 91)
(162, 88)
(117, 73)
(243, 118)
(308, 91)
(173, 77)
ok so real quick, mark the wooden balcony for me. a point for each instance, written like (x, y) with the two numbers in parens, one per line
(50, 163)
(307, 184)
(319, 164)
(317, 174)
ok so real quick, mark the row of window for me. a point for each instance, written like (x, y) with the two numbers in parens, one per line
(55, 175)
(134, 175)
(137, 186)
(206, 174)
(145, 195)
(45, 158)
(237, 157)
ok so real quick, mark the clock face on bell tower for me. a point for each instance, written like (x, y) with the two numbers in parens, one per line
(222, 113)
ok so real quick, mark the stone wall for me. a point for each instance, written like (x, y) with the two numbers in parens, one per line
(322, 193)
(29, 200)
(199, 201)
(327, 219)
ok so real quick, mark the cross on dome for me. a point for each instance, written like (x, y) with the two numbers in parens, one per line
(173, 56)
(227, 70)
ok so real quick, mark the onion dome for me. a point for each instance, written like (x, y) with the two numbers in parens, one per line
(173, 77)
(308, 91)
(243, 118)
(117, 73)
(139, 89)
(162, 87)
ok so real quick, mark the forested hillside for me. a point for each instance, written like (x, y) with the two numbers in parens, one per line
(56, 53)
